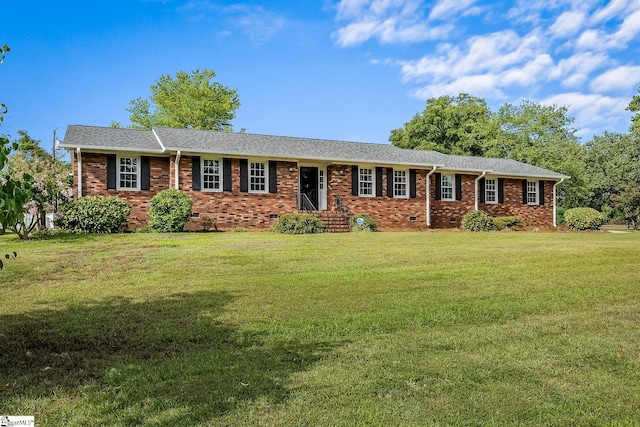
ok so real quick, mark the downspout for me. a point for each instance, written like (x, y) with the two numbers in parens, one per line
(79, 156)
(476, 188)
(555, 221)
(429, 196)
(176, 170)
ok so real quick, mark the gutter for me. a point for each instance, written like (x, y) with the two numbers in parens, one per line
(176, 170)
(555, 221)
(79, 156)
(476, 188)
(429, 196)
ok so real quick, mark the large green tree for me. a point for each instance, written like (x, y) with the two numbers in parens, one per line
(14, 191)
(189, 101)
(543, 136)
(51, 186)
(634, 107)
(452, 125)
(612, 163)
(539, 135)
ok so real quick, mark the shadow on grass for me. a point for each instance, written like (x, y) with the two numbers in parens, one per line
(129, 362)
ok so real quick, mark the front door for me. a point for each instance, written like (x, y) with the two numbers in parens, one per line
(309, 183)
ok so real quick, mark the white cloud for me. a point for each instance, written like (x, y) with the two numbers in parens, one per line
(592, 111)
(568, 24)
(446, 8)
(575, 70)
(479, 85)
(391, 21)
(257, 23)
(611, 10)
(622, 78)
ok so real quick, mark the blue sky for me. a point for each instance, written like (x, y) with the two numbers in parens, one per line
(347, 70)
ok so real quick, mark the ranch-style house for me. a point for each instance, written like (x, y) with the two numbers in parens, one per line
(248, 180)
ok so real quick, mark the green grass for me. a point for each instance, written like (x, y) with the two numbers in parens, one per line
(383, 329)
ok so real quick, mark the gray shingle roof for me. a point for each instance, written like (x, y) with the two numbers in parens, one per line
(168, 140)
(111, 139)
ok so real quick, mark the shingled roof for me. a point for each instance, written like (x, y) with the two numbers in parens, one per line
(163, 140)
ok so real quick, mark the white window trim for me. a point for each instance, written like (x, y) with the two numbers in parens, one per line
(220, 174)
(537, 192)
(266, 177)
(373, 181)
(495, 189)
(406, 184)
(118, 173)
(453, 188)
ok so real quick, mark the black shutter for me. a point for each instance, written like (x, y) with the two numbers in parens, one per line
(378, 181)
(389, 182)
(195, 173)
(111, 172)
(273, 176)
(438, 178)
(145, 173)
(458, 186)
(244, 175)
(524, 191)
(500, 190)
(412, 183)
(354, 180)
(541, 195)
(482, 188)
(226, 175)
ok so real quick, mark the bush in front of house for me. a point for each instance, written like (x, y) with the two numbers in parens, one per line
(583, 218)
(505, 222)
(169, 211)
(298, 224)
(363, 222)
(477, 221)
(95, 214)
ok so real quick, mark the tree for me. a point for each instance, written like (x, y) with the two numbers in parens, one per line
(611, 165)
(188, 101)
(628, 201)
(539, 135)
(51, 185)
(543, 136)
(14, 192)
(634, 107)
(450, 125)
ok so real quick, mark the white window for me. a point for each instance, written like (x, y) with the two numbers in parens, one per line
(399, 183)
(128, 173)
(490, 191)
(532, 192)
(211, 176)
(365, 182)
(447, 186)
(257, 177)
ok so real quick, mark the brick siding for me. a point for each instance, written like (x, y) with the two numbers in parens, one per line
(232, 209)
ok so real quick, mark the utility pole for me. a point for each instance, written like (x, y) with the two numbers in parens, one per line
(53, 149)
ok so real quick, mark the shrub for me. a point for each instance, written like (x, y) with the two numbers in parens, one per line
(505, 222)
(363, 222)
(477, 221)
(583, 218)
(169, 211)
(95, 214)
(298, 224)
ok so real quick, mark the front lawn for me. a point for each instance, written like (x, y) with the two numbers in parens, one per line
(383, 329)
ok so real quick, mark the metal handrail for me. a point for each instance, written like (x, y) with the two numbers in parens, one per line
(304, 204)
(342, 208)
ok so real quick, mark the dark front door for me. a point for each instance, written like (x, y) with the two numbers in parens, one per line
(309, 183)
